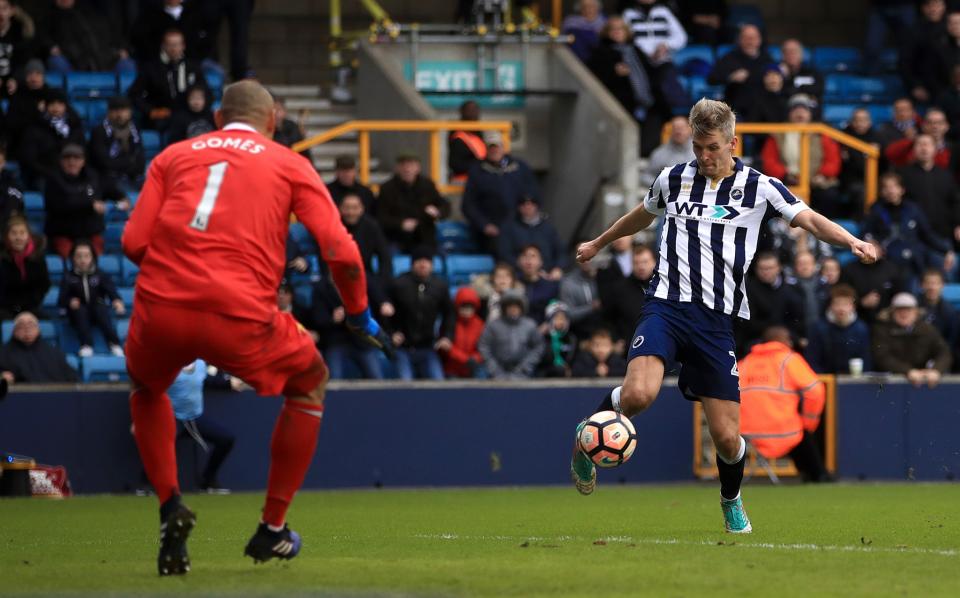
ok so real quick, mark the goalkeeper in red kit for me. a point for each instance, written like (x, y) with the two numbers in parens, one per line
(209, 234)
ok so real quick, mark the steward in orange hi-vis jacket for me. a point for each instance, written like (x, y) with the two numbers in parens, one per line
(780, 397)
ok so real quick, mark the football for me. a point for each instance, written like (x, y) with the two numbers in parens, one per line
(608, 438)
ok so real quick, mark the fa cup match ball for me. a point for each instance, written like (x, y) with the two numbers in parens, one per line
(608, 438)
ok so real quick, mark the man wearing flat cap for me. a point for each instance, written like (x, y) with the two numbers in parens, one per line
(903, 343)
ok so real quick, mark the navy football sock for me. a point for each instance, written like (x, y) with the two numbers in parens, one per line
(611, 402)
(731, 474)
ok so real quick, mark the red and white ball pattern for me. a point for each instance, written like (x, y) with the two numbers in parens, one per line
(608, 438)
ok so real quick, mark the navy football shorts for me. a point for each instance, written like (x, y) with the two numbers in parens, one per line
(698, 338)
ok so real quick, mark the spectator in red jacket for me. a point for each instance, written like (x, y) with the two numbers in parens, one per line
(463, 359)
(935, 124)
(781, 158)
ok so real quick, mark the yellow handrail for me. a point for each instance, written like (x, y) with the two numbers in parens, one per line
(802, 188)
(433, 127)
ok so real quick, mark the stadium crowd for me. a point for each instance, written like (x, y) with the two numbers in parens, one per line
(523, 308)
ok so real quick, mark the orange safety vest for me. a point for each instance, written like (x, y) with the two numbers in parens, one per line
(780, 397)
(476, 146)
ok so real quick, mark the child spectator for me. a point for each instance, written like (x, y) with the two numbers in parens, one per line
(491, 288)
(463, 359)
(74, 202)
(87, 295)
(510, 345)
(540, 289)
(24, 279)
(599, 360)
(116, 150)
(839, 336)
(531, 227)
(192, 120)
(560, 345)
(28, 358)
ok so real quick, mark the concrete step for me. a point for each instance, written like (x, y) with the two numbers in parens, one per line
(295, 91)
(318, 121)
(311, 103)
(325, 163)
(376, 178)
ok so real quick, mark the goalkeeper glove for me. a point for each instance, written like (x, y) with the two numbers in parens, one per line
(368, 330)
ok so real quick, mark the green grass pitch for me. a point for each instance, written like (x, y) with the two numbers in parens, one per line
(840, 540)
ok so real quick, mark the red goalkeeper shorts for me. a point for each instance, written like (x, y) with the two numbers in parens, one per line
(277, 357)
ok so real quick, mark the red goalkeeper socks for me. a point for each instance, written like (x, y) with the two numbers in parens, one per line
(291, 451)
(155, 431)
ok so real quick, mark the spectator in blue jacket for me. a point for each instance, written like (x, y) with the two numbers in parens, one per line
(904, 231)
(531, 227)
(839, 336)
(494, 188)
(585, 28)
(87, 295)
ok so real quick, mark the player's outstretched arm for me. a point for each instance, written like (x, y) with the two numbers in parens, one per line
(630, 223)
(139, 229)
(831, 232)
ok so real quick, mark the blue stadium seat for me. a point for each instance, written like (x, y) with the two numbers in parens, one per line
(74, 362)
(32, 201)
(401, 264)
(890, 60)
(91, 85)
(104, 368)
(777, 53)
(53, 80)
(951, 293)
(51, 298)
(723, 49)
(130, 271)
(837, 58)
(91, 111)
(55, 268)
(126, 293)
(48, 331)
(854, 88)
(455, 237)
(694, 60)
(215, 82)
(838, 114)
(123, 328)
(844, 257)
(110, 264)
(851, 226)
(880, 113)
(112, 235)
(152, 144)
(699, 88)
(125, 80)
(461, 268)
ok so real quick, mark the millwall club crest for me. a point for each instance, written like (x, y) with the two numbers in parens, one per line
(637, 342)
(736, 194)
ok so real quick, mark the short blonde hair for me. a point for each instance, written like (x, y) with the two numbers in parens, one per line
(708, 116)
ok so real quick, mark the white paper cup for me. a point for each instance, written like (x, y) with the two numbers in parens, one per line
(856, 367)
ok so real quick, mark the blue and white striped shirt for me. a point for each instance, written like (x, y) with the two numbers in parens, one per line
(710, 233)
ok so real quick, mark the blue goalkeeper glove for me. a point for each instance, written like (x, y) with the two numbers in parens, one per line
(368, 330)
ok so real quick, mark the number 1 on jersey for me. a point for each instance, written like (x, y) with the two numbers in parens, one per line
(201, 218)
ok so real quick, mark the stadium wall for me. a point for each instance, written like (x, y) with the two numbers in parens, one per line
(470, 434)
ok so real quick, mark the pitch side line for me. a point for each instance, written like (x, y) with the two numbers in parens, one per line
(738, 544)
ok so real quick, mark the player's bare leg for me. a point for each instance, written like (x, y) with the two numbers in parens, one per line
(291, 450)
(723, 420)
(155, 431)
(640, 388)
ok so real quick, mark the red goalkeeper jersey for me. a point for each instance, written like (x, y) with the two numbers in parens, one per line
(209, 230)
